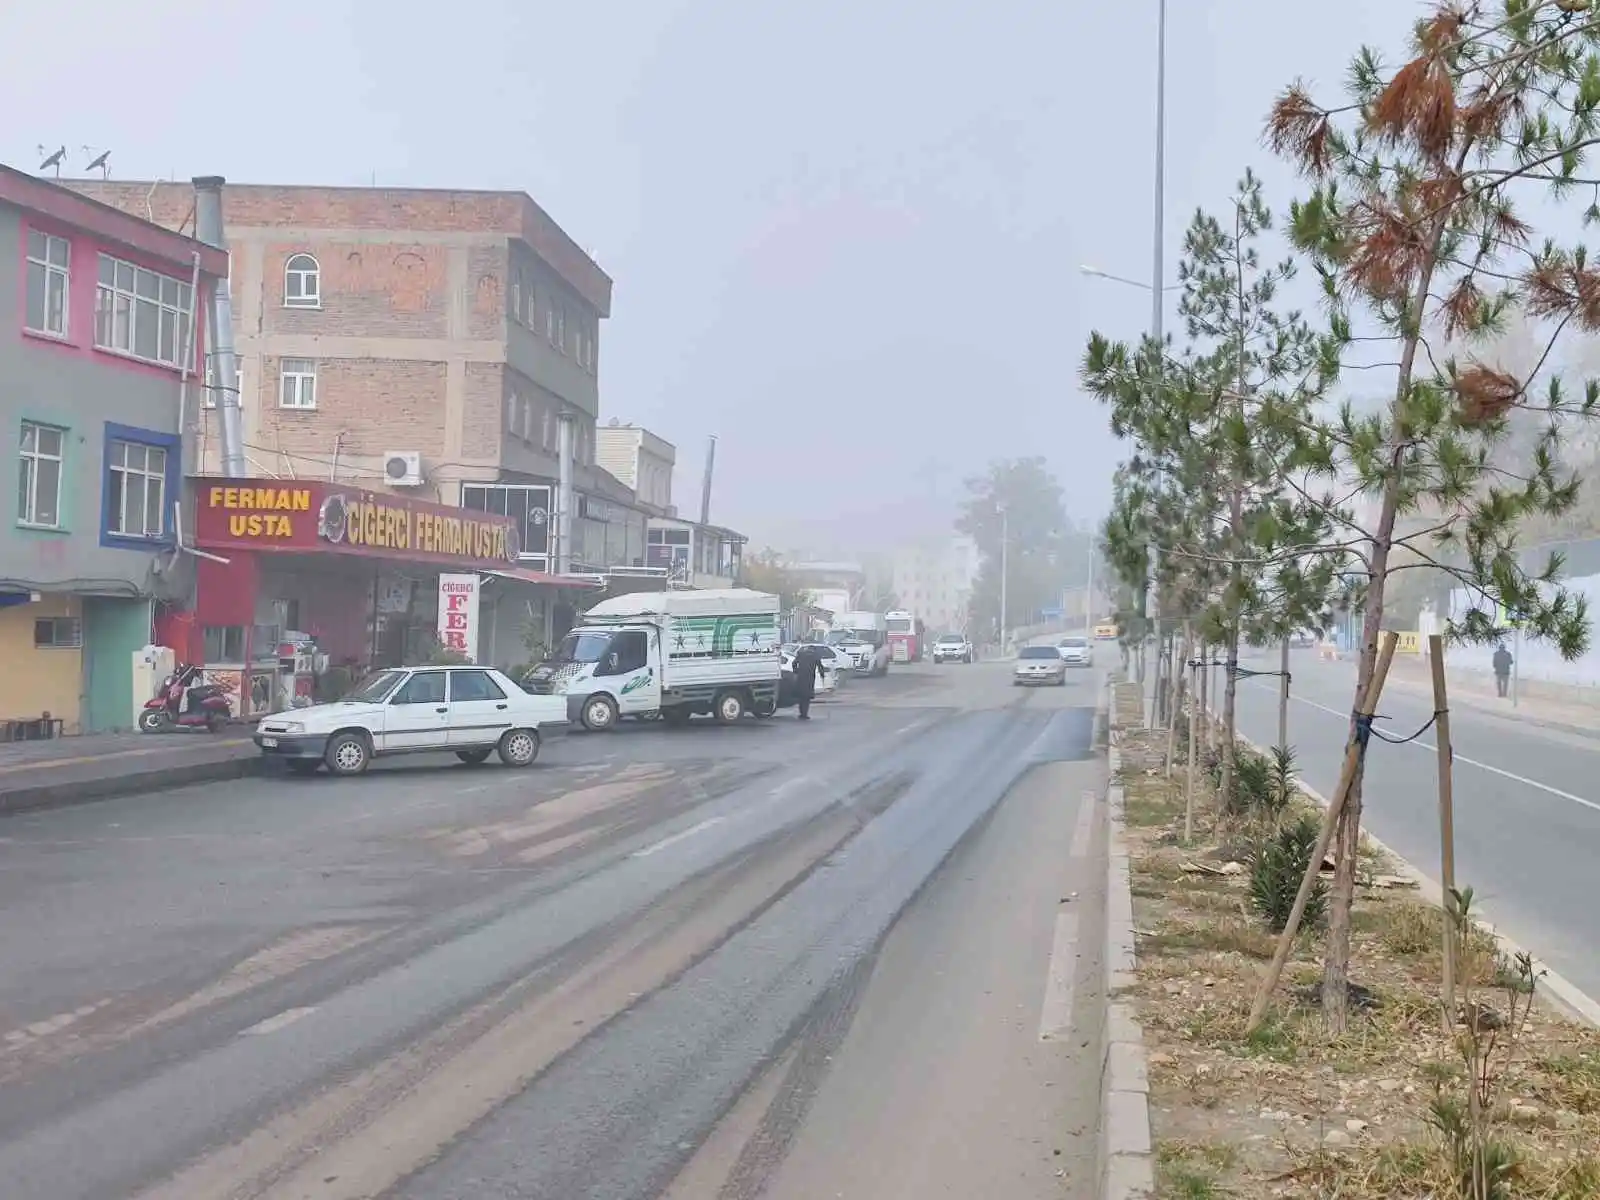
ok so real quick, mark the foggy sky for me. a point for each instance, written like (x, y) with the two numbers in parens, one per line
(845, 236)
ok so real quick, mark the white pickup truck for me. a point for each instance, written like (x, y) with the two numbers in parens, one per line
(668, 654)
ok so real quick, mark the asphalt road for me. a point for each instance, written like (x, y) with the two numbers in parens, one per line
(661, 962)
(1527, 802)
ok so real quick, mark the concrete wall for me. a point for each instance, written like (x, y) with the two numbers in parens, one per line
(35, 680)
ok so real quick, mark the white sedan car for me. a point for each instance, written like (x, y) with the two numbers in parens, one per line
(471, 711)
(834, 665)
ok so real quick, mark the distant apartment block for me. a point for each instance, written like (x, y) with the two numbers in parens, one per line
(935, 581)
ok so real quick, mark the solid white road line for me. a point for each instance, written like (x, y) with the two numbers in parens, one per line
(272, 1024)
(1055, 1016)
(675, 838)
(1432, 748)
(1083, 831)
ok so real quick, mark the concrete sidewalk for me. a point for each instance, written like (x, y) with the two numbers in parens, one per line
(1572, 708)
(59, 771)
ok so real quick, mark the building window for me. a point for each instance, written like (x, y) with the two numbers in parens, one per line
(57, 633)
(297, 380)
(137, 483)
(141, 313)
(39, 481)
(49, 262)
(302, 282)
(209, 399)
(516, 297)
(550, 322)
(561, 331)
(528, 504)
(223, 643)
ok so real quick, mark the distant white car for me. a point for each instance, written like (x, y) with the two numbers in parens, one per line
(834, 665)
(471, 711)
(1076, 652)
(864, 656)
(952, 647)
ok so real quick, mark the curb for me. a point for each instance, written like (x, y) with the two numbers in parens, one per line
(65, 793)
(1569, 996)
(1124, 1159)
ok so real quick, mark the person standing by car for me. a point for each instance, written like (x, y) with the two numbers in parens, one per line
(807, 666)
(1502, 670)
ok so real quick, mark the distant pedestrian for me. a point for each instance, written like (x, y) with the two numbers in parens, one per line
(1502, 670)
(807, 666)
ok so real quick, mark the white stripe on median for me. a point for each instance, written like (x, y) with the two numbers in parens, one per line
(1055, 1017)
(272, 1024)
(1083, 831)
(675, 838)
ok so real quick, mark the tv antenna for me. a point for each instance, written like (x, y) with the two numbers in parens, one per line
(99, 163)
(53, 161)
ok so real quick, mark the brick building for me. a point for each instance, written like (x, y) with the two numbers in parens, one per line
(423, 341)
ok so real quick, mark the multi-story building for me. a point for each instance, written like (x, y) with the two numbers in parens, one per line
(429, 342)
(935, 581)
(96, 382)
(639, 460)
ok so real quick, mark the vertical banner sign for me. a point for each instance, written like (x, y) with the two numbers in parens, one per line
(458, 614)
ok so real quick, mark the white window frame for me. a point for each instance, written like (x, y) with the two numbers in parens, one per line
(52, 271)
(308, 279)
(28, 468)
(208, 398)
(73, 640)
(302, 395)
(123, 299)
(119, 526)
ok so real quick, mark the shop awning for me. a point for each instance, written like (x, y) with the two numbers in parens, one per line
(524, 575)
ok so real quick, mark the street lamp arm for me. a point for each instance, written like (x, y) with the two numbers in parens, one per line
(1097, 273)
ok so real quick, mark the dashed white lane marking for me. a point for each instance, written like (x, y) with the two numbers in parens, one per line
(1431, 748)
(272, 1024)
(1055, 1016)
(1083, 831)
(675, 838)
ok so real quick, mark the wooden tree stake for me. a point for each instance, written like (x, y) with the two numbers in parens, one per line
(1352, 759)
(1447, 826)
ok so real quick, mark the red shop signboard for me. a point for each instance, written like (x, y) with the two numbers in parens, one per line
(306, 517)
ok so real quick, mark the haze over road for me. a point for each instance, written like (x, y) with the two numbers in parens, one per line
(1527, 802)
(655, 964)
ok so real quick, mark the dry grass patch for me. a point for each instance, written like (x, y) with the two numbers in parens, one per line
(1288, 1111)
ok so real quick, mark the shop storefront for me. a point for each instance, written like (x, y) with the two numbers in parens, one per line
(322, 583)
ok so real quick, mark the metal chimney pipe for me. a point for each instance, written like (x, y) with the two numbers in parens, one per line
(705, 488)
(564, 496)
(224, 363)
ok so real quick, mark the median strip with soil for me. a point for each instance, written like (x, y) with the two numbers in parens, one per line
(1508, 1105)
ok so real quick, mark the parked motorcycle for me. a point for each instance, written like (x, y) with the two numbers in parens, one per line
(183, 703)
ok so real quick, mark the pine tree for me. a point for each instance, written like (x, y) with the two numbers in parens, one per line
(1415, 225)
(1229, 415)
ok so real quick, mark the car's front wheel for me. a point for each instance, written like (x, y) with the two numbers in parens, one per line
(348, 754)
(599, 712)
(519, 747)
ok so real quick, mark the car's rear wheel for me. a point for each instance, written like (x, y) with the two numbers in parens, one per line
(348, 754)
(519, 747)
(474, 757)
(729, 708)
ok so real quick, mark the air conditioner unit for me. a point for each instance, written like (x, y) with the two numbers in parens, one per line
(402, 468)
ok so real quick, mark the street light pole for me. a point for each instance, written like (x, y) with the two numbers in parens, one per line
(1005, 547)
(1157, 295)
